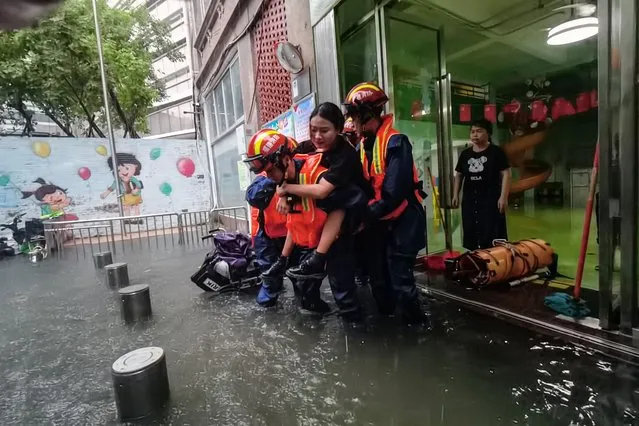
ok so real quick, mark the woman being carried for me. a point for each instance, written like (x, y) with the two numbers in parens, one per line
(342, 192)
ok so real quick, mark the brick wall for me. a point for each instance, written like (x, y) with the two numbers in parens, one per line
(273, 81)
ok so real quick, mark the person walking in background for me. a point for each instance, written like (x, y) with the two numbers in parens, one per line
(484, 174)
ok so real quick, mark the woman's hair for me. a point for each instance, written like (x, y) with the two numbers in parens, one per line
(484, 124)
(45, 189)
(124, 158)
(331, 112)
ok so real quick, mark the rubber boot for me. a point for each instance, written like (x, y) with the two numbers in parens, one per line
(277, 269)
(269, 291)
(311, 300)
(312, 267)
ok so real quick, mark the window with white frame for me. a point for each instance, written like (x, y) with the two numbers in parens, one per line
(226, 107)
(225, 121)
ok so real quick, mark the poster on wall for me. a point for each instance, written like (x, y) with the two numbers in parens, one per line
(244, 175)
(72, 178)
(301, 117)
(283, 124)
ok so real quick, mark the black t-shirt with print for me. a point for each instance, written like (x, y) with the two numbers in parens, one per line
(482, 170)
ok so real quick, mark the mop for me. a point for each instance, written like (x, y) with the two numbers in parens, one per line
(564, 303)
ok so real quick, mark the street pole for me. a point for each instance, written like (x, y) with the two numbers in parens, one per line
(107, 111)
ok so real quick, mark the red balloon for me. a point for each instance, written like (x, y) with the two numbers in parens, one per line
(186, 167)
(84, 173)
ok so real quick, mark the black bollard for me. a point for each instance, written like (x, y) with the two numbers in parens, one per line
(136, 303)
(141, 383)
(100, 260)
(117, 275)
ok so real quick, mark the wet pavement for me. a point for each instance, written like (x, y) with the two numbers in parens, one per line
(232, 363)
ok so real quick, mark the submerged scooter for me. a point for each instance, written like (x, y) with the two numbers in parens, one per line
(5, 249)
(30, 239)
(230, 266)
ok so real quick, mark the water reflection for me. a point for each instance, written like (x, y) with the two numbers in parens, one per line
(232, 363)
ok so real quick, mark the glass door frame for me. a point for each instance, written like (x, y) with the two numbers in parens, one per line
(343, 34)
(618, 112)
(381, 13)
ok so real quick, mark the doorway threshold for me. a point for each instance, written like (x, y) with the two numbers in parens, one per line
(524, 306)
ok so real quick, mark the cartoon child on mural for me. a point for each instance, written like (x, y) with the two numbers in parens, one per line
(130, 187)
(53, 200)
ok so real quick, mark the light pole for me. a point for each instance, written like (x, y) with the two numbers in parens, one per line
(107, 111)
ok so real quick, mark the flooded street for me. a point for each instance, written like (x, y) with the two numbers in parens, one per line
(233, 363)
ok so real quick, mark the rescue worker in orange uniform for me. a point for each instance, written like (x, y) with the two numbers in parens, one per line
(395, 226)
(268, 226)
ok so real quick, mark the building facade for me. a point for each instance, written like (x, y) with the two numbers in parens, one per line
(554, 101)
(240, 85)
(173, 116)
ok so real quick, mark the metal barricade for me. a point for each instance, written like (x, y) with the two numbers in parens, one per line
(230, 219)
(121, 234)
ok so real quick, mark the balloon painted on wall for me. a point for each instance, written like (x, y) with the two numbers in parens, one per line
(101, 149)
(166, 189)
(4, 180)
(84, 173)
(186, 166)
(155, 153)
(41, 148)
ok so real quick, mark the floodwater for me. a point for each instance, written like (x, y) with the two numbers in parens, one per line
(232, 363)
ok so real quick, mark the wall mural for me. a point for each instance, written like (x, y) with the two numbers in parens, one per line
(72, 179)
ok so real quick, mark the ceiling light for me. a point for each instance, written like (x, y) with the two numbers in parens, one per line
(573, 31)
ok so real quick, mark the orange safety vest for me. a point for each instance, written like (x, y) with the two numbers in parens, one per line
(307, 221)
(376, 171)
(274, 223)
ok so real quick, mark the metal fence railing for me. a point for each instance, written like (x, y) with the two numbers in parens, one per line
(121, 234)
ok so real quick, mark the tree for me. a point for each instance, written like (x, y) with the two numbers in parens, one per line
(55, 68)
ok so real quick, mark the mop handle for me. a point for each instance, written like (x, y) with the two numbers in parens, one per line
(587, 220)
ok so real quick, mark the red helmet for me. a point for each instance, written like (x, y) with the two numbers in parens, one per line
(265, 149)
(369, 94)
(351, 132)
(349, 126)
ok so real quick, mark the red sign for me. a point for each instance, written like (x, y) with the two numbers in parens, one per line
(464, 113)
(490, 112)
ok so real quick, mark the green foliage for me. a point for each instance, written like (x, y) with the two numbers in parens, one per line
(55, 67)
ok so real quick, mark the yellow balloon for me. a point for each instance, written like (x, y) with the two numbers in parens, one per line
(41, 149)
(101, 149)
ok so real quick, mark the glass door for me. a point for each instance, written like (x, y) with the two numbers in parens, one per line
(419, 91)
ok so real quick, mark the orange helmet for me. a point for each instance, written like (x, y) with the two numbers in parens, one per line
(366, 94)
(266, 148)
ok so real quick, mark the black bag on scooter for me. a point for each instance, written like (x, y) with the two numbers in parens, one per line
(230, 266)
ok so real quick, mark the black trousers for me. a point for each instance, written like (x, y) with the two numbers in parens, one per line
(308, 289)
(340, 268)
(391, 251)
